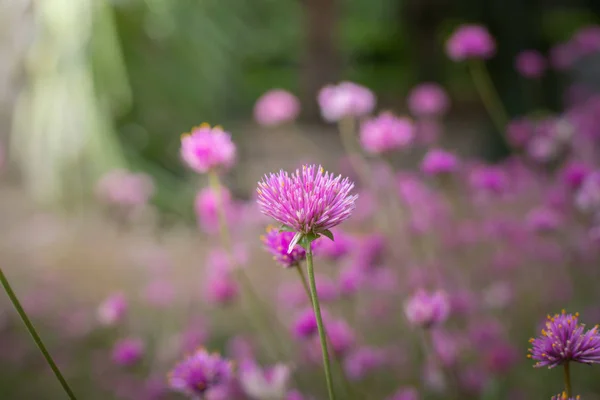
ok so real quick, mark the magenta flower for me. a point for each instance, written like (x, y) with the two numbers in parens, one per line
(386, 132)
(337, 249)
(543, 219)
(276, 107)
(563, 396)
(470, 42)
(341, 336)
(310, 201)
(587, 198)
(587, 40)
(221, 289)
(277, 243)
(128, 352)
(206, 149)
(405, 394)
(574, 173)
(427, 309)
(123, 188)
(438, 161)
(489, 179)
(344, 100)
(564, 339)
(305, 325)
(428, 100)
(520, 131)
(264, 383)
(530, 64)
(206, 206)
(362, 361)
(113, 309)
(199, 373)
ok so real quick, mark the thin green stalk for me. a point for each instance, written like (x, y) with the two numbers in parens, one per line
(488, 94)
(320, 327)
(36, 338)
(567, 369)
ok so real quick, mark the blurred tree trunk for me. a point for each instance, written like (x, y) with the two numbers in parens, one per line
(321, 60)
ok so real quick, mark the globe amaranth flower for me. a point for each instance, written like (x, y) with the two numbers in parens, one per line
(427, 309)
(123, 188)
(530, 64)
(428, 100)
(113, 309)
(128, 352)
(199, 373)
(276, 107)
(438, 161)
(470, 42)
(408, 393)
(269, 383)
(385, 133)
(363, 361)
(310, 201)
(206, 207)
(205, 149)
(344, 100)
(564, 396)
(277, 243)
(564, 339)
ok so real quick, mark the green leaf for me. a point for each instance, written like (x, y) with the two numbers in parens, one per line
(285, 228)
(329, 234)
(311, 237)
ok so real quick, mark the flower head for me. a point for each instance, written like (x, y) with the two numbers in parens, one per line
(207, 148)
(564, 339)
(386, 132)
(405, 394)
(128, 352)
(123, 188)
(563, 396)
(428, 100)
(587, 198)
(438, 161)
(277, 243)
(346, 99)
(264, 383)
(310, 201)
(530, 64)
(113, 309)
(206, 207)
(199, 373)
(276, 107)
(427, 309)
(470, 41)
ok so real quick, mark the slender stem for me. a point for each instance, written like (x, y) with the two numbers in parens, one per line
(317, 308)
(488, 94)
(36, 338)
(567, 369)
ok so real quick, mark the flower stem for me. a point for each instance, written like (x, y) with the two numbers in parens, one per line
(567, 369)
(36, 338)
(488, 94)
(317, 309)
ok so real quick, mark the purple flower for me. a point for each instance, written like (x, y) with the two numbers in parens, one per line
(530, 64)
(574, 173)
(350, 279)
(563, 396)
(113, 309)
(277, 243)
(269, 383)
(427, 309)
(337, 249)
(206, 206)
(543, 219)
(562, 340)
(341, 337)
(470, 41)
(489, 179)
(385, 133)
(128, 352)
(207, 148)
(123, 188)
(405, 394)
(199, 373)
(308, 201)
(221, 288)
(519, 132)
(362, 361)
(294, 395)
(344, 100)
(276, 107)
(587, 198)
(305, 325)
(587, 40)
(438, 161)
(428, 100)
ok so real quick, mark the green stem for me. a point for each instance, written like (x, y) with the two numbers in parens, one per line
(489, 95)
(317, 309)
(567, 369)
(36, 338)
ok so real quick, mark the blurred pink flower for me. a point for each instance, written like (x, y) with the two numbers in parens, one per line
(425, 309)
(128, 352)
(276, 107)
(206, 149)
(530, 63)
(123, 188)
(386, 132)
(438, 161)
(264, 383)
(346, 99)
(113, 309)
(470, 41)
(207, 206)
(428, 100)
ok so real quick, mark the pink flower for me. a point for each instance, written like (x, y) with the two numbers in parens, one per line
(427, 309)
(563, 56)
(207, 206)
(207, 148)
(276, 107)
(530, 64)
(124, 188)
(221, 289)
(346, 99)
(268, 383)
(113, 309)
(587, 40)
(438, 161)
(428, 100)
(128, 352)
(386, 132)
(470, 41)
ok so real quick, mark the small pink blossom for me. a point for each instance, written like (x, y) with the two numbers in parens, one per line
(276, 107)
(470, 42)
(385, 133)
(530, 64)
(428, 100)
(206, 149)
(346, 99)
